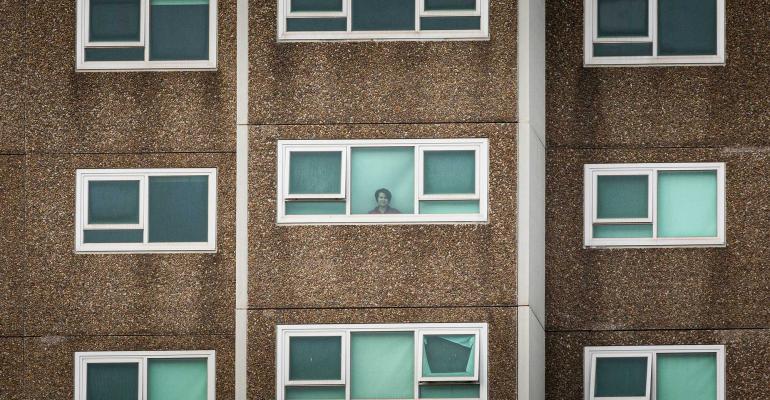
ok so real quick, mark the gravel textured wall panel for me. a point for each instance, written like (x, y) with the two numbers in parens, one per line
(11, 371)
(12, 260)
(13, 89)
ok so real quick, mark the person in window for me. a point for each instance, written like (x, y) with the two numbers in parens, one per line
(382, 197)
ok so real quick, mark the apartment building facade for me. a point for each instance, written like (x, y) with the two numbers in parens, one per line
(272, 199)
(657, 124)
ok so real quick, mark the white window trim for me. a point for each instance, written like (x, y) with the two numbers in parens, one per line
(589, 190)
(590, 36)
(83, 176)
(286, 331)
(482, 179)
(591, 353)
(82, 359)
(288, 150)
(343, 357)
(420, 337)
(481, 10)
(419, 160)
(82, 42)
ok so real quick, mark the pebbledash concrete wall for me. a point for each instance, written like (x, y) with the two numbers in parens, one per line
(659, 114)
(54, 302)
(382, 273)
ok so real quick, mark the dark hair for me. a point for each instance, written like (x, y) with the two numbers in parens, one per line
(385, 191)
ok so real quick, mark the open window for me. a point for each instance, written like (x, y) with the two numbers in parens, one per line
(382, 181)
(654, 205)
(654, 372)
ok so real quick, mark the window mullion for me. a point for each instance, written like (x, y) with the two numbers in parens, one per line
(654, 201)
(348, 173)
(145, 26)
(144, 208)
(654, 24)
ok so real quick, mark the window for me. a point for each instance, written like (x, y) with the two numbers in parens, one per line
(389, 361)
(649, 32)
(146, 210)
(654, 373)
(382, 181)
(147, 34)
(377, 19)
(152, 375)
(655, 205)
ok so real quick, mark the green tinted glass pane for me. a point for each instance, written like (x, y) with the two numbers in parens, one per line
(112, 381)
(113, 202)
(450, 23)
(177, 379)
(622, 49)
(621, 376)
(315, 207)
(179, 208)
(115, 54)
(113, 236)
(449, 391)
(315, 358)
(622, 196)
(448, 355)
(315, 393)
(442, 5)
(374, 168)
(687, 27)
(623, 18)
(687, 204)
(690, 376)
(623, 231)
(315, 172)
(449, 207)
(179, 30)
(449, 172)
(114, 20)
(316, 5)
(383, 15)
(316, 24)
(382, 365)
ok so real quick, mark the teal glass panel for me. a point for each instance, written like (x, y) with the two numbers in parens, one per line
(686, 376)
(382, 365)
(687, 27)
(179, 30)
(449, 207)
(112, 381)
(177, 379)
(383, 15)
(446, 5)
(316, 24)
(113, 236)
(316, 5)
(113, 202)
(623, 18)
(622, 231)
(179, 208)
(450, 23)
(449, 172)
(448, 356)
(622, 49)
(687, 204)
(114, 20)
(622, 196)
(444, 391)
(315, 172)
(621, 376)
(115, 54)
(315, 207)
(373, 168)
(315, 393)
(315, 358)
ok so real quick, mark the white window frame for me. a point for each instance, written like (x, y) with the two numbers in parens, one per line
(482, 179)
(421, 355)
(481, 10)
(83, 41)
(284, 332)
(83, 176)
(82, 359)
(309, 333)
(591, 173)
(651, 352)
(420, 162)
(591, 36)
(328, 149)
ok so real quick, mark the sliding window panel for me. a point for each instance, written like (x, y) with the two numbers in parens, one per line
(621, 377)
(114, 21)
(383, 15)
(686, 376)
(623, 18)
(177, 378)
(374, 168)
(112, 381)
(178, 208)
(687, 204)
(687, 27)
(179, 30)
(382, 365)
